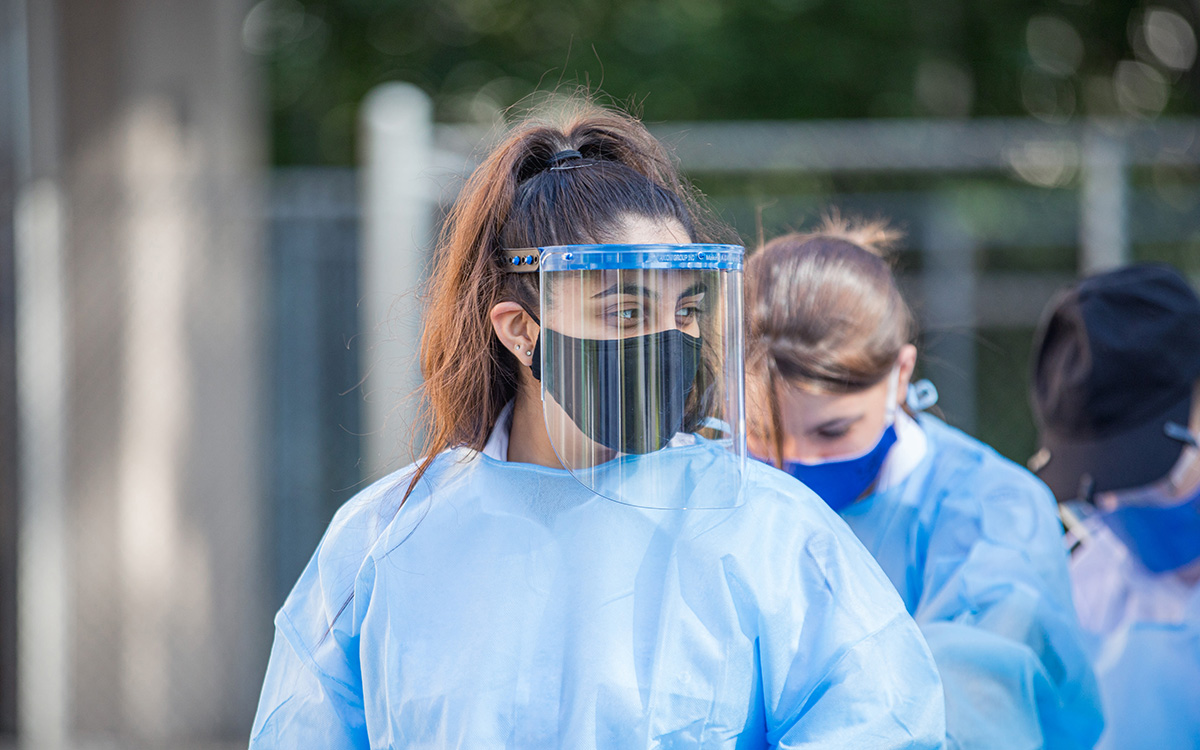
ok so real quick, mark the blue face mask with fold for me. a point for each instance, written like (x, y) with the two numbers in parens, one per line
(1165, 538)
(1163, 533)
(841, 481)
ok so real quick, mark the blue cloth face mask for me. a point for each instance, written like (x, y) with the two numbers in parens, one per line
(841, 481)
(1162, 531)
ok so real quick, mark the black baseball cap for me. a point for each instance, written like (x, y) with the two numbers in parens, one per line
(1115, 360)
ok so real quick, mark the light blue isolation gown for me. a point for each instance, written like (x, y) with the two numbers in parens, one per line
(1143, 632)
(506, 606)
(973, 544)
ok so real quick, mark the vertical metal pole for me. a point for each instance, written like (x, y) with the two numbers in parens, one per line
(949, 282)
(1104, 207)
(398, 201)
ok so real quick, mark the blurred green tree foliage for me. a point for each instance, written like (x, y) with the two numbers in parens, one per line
(722, 59)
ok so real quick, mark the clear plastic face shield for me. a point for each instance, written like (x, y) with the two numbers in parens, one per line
(640, 363)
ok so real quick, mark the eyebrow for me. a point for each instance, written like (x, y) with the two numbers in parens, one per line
(631, 289)
(840, 421)
(694, 290)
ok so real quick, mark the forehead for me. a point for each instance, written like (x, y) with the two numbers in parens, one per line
(651, 284)
(819, 405)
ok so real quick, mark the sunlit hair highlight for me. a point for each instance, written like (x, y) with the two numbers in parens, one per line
(513, 199)
(823, 314)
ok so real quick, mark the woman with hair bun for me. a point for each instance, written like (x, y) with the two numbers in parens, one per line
(969, 539)
(584, 557)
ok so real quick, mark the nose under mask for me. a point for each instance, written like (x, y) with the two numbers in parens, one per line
(627, 394)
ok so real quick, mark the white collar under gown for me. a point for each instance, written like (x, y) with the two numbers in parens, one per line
(506, 606)
(973, 544)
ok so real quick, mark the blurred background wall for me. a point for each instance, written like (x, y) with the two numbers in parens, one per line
(215, 216)
(136, 131)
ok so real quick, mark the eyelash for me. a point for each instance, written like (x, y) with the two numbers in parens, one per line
(833, 434)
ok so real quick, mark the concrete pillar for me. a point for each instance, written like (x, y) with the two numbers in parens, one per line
(398, 202)
(12, 107)
(140, 329)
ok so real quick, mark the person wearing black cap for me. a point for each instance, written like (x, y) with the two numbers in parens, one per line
(1116, 394)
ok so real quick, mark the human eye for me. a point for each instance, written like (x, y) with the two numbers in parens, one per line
(833, 432)
(625, 315)
(690, 310)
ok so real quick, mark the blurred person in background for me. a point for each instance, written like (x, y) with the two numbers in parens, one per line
(584, 557)
(969, 539)
(1116, 393)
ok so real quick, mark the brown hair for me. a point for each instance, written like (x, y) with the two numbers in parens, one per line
(514, 199)
(823, 313)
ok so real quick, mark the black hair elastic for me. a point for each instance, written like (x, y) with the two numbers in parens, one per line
(555, 162)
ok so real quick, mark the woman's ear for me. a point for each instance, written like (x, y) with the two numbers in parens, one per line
(907, 362)
(516, 330)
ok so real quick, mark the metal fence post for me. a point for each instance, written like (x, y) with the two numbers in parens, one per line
(1104, 207)
(398, 201)
(949, 287)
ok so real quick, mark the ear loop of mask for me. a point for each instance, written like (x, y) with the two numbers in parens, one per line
(889, 416)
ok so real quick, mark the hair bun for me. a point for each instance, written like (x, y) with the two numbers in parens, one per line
(874, 235)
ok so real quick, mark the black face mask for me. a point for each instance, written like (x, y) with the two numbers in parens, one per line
(636, 388)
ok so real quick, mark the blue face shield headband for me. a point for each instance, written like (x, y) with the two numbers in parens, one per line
(1157, 526)
(841, 481)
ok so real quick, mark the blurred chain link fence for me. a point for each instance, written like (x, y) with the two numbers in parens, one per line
(315, 419)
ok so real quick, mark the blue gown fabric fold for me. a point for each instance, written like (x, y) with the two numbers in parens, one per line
(973, 544)
(506, 606)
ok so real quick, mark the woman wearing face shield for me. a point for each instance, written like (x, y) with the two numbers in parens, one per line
(584, 557)
(1116, 393)
(969, 539)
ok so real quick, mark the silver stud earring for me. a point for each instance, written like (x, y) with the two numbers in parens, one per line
(518, 347)
(529, 353)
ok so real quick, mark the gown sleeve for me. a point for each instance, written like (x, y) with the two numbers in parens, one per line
(996, 610)
(844, 665)
(312, 694)
(302, 705)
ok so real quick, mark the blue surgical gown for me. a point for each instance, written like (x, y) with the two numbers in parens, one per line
(1143, 632)
(504, 605)
(973, 544)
